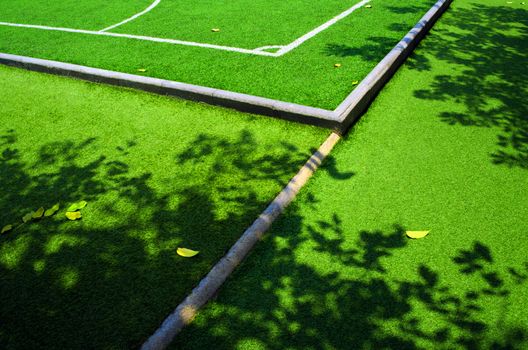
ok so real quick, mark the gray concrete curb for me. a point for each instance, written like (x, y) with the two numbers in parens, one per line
(339, 120)
(242, 102)
(208, 286)
(360, 98)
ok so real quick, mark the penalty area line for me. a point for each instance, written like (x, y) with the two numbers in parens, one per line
(140, 37)
(260, 51)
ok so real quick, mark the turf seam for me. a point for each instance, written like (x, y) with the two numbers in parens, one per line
(209, 285)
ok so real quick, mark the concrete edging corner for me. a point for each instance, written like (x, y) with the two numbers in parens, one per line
(339, 120)
(357, 102)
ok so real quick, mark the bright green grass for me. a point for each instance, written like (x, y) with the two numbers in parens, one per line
(306, 75)
(244, 23)
(158, 173)
(90, 15)
(443, 148)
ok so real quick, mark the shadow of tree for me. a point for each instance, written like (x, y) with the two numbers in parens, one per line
(377, 46)
(109, 280)
(486, 48)
(280, 300)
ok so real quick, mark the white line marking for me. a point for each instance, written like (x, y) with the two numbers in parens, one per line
(268, 47)
(140, 37)
(154, 4)
(319, 29)
(260, 51)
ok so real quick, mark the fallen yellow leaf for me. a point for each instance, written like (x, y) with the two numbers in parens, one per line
(77, 206)
(186, 253)
(6, 228)
(38, 214)
(51, 210)
(27, 217)
(73, 215)
(417, 234)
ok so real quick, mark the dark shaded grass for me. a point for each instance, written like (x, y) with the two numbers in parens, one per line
(158, 173)
(443, 148)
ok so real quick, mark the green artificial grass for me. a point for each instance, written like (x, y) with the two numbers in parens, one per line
(157, 174)
(90, 15)
(305, 75)
(443, 148)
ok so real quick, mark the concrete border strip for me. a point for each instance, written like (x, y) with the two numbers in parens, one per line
(243, 102)
(360, 98)
(339, 120)
(209, 285)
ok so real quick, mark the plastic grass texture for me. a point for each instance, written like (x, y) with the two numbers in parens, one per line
(338, 272)
(158, 173)
(305, 75)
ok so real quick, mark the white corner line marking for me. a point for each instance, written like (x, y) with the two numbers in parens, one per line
(260, 51)
(154, 4)
(309, 35)
(140, 37)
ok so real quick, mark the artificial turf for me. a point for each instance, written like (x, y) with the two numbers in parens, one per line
(157, 173)
(305, 75)
(443, 148)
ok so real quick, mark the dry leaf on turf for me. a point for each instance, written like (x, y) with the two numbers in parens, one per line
(38, 214)
(6, 228)
(52, 210)
(416, 234)
(186, 253)
(77, 206)
(73, 215)
(27, 217)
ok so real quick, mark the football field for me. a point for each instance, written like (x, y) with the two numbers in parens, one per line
(307, 53)
(270, 260)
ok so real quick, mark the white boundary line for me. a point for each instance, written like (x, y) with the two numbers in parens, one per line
(140, 37)
(260, 51)
(154, 4)
(319, 29)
